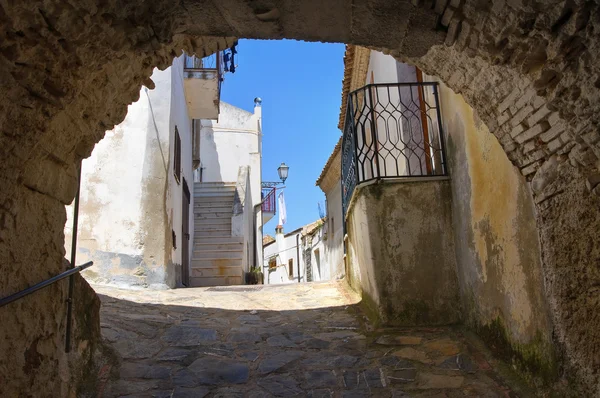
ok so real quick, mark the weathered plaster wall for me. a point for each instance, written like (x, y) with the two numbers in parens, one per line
(330, 183)
(496, 239)
(334, 245)
(179, 118)
(130, 200)
(402, 244)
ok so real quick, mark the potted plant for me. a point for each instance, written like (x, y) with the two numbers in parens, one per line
(254, 277)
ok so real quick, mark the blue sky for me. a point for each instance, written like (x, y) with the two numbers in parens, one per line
(300, 84)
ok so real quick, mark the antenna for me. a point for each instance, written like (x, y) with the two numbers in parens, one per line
(321, 211)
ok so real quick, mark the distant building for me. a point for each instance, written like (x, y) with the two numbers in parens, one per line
(297, 256)
(329, 182)
(228, 194)
(136, 207)
(171, 197)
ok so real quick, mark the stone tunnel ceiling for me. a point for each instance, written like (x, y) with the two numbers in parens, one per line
(530, 69)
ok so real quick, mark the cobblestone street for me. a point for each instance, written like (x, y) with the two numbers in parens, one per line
(287, 340)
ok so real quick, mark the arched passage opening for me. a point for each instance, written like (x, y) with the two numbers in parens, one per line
(528, 69)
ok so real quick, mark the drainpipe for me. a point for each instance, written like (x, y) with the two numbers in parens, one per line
(298, 255)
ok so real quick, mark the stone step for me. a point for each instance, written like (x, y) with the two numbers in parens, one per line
(213, 226)
(211, 253)
(220, 199)
(215, 281)
(215, 184)
(211, 233)
(215, 207)
(212, 222)
(203, 194)
(207, 215)
(216, 271)
(216, 239)
(202, 246)
(206, 211)
(216, 262)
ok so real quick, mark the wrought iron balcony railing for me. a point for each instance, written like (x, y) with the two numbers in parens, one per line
(269, 200)
(390, 131)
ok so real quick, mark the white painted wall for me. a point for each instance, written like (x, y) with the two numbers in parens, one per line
(319, 262)
(174, 198)
(232, 141)
(284, 248)
(382, 68)
(235, 141)
(130, 200)
(334, 245)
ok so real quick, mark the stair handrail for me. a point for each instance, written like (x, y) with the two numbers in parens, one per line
(25, 292)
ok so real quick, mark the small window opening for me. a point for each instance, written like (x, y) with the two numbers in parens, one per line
(177, 156)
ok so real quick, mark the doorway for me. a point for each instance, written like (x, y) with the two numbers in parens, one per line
(185, 233)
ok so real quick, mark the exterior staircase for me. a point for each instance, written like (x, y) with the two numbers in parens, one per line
(217, 256)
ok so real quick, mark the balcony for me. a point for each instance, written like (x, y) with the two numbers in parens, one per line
(391, 132)
(269, 197)
(202, 83)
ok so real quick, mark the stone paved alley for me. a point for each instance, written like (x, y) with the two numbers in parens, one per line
(286, 340)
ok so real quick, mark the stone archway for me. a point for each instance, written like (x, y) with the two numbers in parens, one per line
(528, 68)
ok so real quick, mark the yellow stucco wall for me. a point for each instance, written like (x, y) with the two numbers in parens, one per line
(496, 238)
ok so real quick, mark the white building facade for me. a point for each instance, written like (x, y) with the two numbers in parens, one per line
(227, 189)
(284, 259)
(298, 256)
(135, 218)
(333, 236)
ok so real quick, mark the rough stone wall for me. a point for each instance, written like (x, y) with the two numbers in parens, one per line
(401, 242)
(529, 69)
(34, 363)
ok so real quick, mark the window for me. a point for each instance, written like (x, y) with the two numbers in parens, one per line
(291, 268)
(177, 156)
(272, 263)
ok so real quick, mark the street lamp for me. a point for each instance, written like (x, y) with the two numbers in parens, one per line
(282, 170)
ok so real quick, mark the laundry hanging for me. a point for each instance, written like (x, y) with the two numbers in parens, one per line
(282, 212)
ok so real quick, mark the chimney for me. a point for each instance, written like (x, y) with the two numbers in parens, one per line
(258, 107)
(258, 114)
(280, 238)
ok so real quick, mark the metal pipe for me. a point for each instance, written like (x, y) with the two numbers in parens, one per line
(73, 257)
(298, 255)
(440, 128)
(29, 290)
